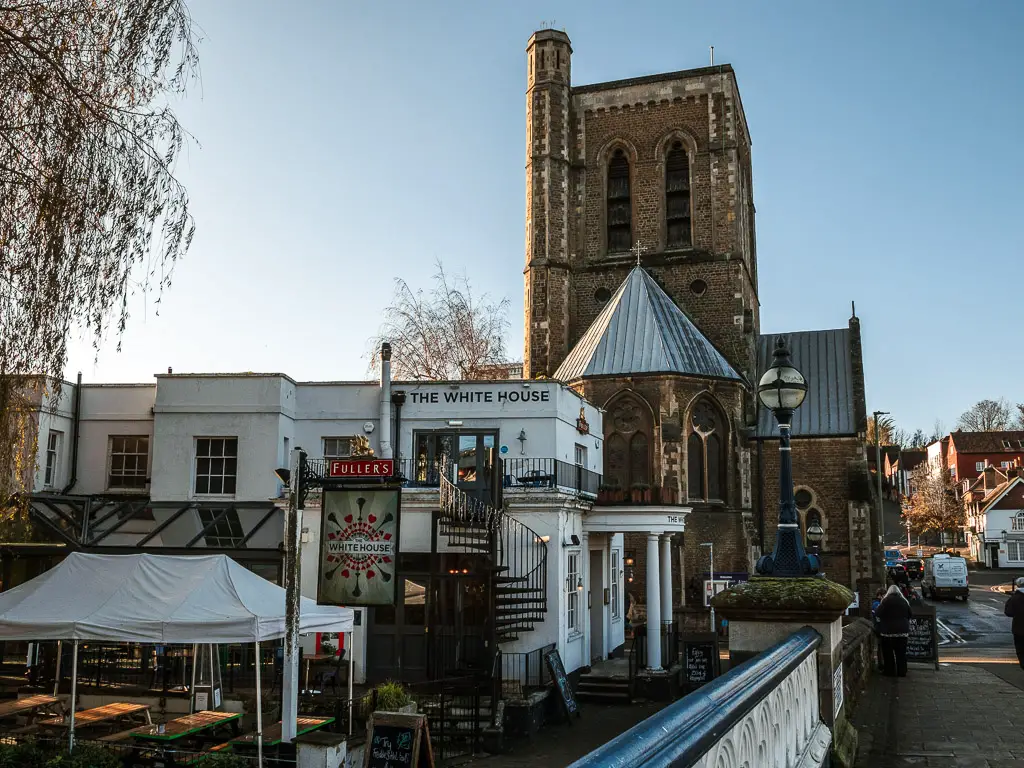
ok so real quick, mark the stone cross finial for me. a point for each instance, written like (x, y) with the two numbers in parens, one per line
(639, 249)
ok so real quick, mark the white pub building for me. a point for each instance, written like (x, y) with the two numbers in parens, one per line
(186, 465)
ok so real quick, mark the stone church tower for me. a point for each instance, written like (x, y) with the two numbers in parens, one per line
(641, 293)
(663, 160)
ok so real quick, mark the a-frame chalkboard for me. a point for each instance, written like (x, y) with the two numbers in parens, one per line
(394, 740)
(565, 693)
(701, 662)
(923, 641)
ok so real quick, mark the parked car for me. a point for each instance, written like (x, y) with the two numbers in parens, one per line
(945, 576)
(915, 568)
(893, 556)
(898, 574)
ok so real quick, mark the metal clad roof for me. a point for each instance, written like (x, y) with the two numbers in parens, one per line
(823, 357)
(641, 330)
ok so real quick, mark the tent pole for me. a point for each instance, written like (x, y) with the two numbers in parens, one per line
(74, 692)
(212, 704)
(56, 675)
(351, 674)
(192, 690)
(259, 709)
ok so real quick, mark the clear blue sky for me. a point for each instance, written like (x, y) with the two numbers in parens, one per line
(342, 144)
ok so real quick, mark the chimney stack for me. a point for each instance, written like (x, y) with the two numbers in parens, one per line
(385, 401)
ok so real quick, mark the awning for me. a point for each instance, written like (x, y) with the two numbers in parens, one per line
(156, 599)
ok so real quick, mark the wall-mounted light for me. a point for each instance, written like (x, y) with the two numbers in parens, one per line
(522, 441)
(574, 541)
(454, 422)
(526, 385)
(629, 561)
(579, 585)
(453, 386)
(542, 539)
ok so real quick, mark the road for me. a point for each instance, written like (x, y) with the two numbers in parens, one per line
(976, 631)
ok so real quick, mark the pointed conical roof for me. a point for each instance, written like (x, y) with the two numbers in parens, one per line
(643, 331)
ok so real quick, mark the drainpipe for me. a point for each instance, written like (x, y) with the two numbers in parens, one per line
(759, 489)
(398, 398)
(75, 419)
(385, 401)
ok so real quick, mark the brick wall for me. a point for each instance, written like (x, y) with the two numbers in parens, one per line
(822, 466)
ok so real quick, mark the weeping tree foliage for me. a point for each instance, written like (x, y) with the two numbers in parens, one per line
(445, 333)
(90, 209)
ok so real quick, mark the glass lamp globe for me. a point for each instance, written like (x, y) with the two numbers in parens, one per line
(815, 534)
(782, 387)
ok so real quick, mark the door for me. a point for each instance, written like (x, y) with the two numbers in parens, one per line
(397, 647)
(994, 550)
(596, 602)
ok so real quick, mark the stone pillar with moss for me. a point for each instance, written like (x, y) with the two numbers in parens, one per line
(765, 610)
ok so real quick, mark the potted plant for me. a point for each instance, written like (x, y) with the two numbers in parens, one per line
(641, 493)
(388, 697)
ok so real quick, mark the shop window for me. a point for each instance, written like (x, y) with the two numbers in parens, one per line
(573, 591)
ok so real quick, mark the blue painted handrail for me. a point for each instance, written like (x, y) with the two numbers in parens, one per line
(683, 732)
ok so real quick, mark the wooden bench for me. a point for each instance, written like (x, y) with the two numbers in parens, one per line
(99, 715)
(119, 736)
(272, 734)
(28, 705)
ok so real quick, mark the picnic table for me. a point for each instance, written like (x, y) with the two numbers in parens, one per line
(100, 715)
(272, 735)
(29, 705)
(187, 725)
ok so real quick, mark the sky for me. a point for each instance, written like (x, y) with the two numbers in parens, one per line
(339, 145)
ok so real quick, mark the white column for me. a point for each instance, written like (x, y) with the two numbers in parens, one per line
(666, 579)
(653, 603)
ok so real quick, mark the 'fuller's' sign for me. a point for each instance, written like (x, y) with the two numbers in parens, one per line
(361, 468)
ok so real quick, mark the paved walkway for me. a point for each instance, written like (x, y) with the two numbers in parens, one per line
(961, 716)
(559, 745)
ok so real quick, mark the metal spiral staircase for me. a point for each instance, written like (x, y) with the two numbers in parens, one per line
(518, 557)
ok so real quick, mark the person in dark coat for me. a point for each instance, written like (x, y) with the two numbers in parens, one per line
(893, 627)
(1014, 608)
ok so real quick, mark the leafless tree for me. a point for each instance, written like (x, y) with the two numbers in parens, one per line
(445, 333)
(933, 505)
(90, 209)
(986, 416)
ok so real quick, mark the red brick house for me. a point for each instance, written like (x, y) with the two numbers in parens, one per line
(968, 453)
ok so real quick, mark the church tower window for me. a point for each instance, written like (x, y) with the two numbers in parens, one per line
(619, 207)
(677, 197)
(628, 446)
(705, 448)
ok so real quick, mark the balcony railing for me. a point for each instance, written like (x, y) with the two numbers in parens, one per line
(517, 474)
(549, 473)
(639, 495)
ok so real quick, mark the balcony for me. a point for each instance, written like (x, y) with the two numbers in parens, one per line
(517, 475)
(638, 496)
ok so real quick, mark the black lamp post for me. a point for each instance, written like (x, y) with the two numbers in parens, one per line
(781, 390)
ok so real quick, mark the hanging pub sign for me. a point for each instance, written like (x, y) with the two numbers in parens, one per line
(581, 423)
(361, 468)
(358, 547)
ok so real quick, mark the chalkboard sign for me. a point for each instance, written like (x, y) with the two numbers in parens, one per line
(568, 698)
(700, 659)
(923, 641)
(394, 740)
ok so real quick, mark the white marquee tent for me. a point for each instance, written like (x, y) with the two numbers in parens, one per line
(156, 599)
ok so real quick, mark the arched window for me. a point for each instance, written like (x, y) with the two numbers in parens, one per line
(705, 448)
(809, 513)
(678, 232)
(627, 447)
(620, 213)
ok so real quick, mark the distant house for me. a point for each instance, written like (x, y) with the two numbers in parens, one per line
(898, 469)
(994, 503)
(968, 453)
(936, 453)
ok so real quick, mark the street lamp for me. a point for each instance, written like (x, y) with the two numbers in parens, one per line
(781, 390)
(878, 476)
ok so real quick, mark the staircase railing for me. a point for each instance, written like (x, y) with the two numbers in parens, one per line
(460, 509)
(522, 569)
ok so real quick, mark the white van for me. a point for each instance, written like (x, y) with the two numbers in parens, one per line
(945, 576)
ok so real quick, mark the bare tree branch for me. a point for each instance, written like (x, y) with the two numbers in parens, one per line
(447, 333)
(87, 189)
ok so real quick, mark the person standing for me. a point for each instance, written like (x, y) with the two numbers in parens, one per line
(1014, 608)
(894, 627)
